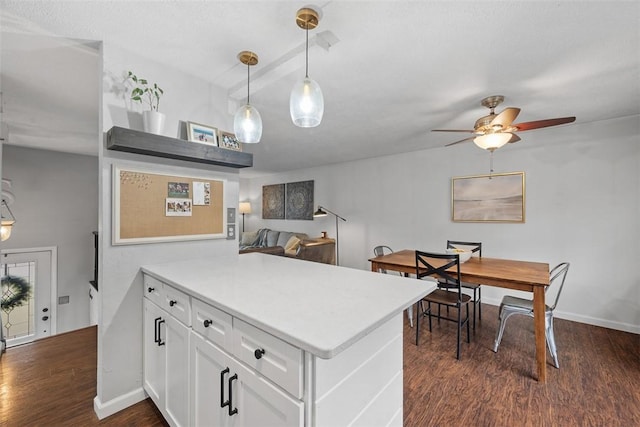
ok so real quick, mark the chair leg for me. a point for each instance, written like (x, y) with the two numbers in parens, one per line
(475, 301)
(410, 315)
(479, 302)
(419, 314)
(502, 320)
(469, 339)
(551, 340)
(429, 311)
(459, 330)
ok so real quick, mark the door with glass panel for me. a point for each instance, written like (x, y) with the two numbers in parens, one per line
(26, 291)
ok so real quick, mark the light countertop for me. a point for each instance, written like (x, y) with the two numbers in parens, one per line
(319, 308)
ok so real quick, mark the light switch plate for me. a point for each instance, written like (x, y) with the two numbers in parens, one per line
(231, 215)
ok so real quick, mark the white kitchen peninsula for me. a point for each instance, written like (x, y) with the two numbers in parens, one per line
(265, 340)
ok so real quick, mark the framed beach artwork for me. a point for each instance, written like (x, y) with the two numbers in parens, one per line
(488, 198)
(202, 134)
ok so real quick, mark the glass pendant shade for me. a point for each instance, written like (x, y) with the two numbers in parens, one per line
(5, 230)
(492, 141)
(247, 124)
(306, 104)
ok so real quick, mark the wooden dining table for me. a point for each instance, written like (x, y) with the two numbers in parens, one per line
(503, 273)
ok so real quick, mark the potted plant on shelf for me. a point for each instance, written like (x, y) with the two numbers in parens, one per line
(148, 94)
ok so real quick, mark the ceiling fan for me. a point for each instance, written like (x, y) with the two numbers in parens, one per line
(495, 130)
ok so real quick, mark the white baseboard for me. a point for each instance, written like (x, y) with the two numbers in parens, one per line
(619, 326)
(103, 410)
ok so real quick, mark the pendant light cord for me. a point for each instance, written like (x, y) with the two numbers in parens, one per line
(248, 82)
(306, 72)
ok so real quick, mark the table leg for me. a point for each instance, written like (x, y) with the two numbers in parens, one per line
(539, 327)
(374, 266)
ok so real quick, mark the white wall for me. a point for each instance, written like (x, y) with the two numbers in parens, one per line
(120, 317)
(57, 205)
(582, 206)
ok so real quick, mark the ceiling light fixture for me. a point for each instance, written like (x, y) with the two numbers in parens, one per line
(306, 103)
(492, 141)
(247, 123)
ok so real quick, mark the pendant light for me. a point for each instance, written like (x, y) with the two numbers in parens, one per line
(247, 123)
(306, 103)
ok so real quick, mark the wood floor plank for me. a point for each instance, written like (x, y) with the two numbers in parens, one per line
(52, 382)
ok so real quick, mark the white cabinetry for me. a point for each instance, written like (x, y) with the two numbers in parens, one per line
(227, 393)
(166, 351)
(246, 372)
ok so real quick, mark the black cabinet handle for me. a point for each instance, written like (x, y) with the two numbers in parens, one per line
(259, 353)
(160, 342)
(207, 323)
(150, 289)
(231, 380)
(172, 302)
(156, 331)
(223, 403)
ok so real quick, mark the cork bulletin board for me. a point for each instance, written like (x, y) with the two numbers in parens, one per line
(150, 207)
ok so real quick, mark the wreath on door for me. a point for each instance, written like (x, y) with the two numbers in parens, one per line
(15, 292)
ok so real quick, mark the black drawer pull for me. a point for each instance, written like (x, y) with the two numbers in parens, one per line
(207, 323)
(259, 353)
(231, 380)
(160, 342)
(150, 289)
(172, 303)
(156, 330)
(223, 403)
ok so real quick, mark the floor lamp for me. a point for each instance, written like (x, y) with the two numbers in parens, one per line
(322, 211)
(245, 208)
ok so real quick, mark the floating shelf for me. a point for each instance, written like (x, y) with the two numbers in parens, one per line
(134, 141)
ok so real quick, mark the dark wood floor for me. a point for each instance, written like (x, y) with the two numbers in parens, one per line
(52, 382)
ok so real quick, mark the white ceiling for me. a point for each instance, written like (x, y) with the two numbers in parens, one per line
(394, 71)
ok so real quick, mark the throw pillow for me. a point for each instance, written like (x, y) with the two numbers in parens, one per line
(248, 238)
(292, 245)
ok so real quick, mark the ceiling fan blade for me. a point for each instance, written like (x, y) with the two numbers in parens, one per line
(458, 142)
(506, 117)
(452, 130)
(543, 123)
(514, 138)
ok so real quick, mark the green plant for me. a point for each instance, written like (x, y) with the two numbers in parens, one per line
(145, 93)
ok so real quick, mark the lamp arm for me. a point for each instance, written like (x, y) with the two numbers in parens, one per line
(332, 213)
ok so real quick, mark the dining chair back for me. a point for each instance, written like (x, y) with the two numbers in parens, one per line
(444, 267)
(513, 305)
(476, 250)
(386, 250)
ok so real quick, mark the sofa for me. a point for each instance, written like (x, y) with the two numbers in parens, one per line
(289, 244)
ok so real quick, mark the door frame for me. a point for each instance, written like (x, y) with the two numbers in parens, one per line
(53, 326)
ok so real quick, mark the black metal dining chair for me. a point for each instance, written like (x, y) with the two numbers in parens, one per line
(450, 297)
(476, 249)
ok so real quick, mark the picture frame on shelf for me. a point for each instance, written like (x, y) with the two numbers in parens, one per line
(228, 141)
(202, 134)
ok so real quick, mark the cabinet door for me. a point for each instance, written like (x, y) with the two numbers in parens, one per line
(210, 373)
(177, 371)
(153, 353)
(260, 403)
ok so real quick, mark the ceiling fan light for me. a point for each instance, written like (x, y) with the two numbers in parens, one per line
(306, 104)
(247, 124)
(492, 141)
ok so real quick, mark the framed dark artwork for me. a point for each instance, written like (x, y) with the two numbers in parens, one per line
(488, 198)
(299, 200)
(273, 201)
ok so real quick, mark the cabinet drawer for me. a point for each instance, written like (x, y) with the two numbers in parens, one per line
(153, 289)
(281, 362)
(218, 323)
(177, 304)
